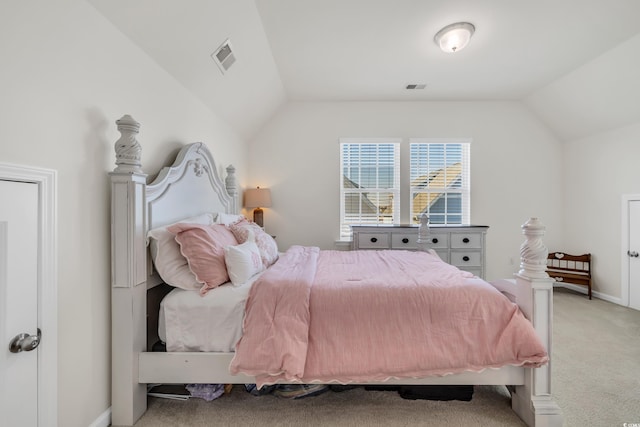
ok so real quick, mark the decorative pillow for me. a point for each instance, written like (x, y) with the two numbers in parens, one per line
(167, 259)
(243, 261)
(266, 244)
(203, 247)
(227, 219)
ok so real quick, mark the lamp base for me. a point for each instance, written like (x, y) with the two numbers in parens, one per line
(258, 217)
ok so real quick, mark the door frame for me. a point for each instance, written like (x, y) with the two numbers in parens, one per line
(624, 285)
(46, 179)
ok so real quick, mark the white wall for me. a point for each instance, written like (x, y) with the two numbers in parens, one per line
(598, 170)
(598, 96)
(247, 94)
(515, 167)
(66, 76)
(594, 110)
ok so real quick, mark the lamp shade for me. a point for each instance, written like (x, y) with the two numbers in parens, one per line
(454, 37)
(257, 198)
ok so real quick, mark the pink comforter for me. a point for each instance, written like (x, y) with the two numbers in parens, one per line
(372, 315)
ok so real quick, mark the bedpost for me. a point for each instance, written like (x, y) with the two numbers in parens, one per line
(232, 188)
(128, 276)
(423, 233)
(532, 401)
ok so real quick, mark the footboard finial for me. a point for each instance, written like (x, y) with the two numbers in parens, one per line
(533, 252)
(127, 148)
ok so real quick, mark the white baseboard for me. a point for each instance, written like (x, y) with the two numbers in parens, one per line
(608, 298)
(104, 420)
(594, 294)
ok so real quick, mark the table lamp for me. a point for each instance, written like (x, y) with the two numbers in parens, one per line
(257, 198)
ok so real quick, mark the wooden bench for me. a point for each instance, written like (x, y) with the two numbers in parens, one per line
(573, 269)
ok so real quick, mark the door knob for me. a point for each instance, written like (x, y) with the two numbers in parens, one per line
(25, 342)
(633, 254)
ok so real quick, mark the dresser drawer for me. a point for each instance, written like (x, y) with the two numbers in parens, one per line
(404, 240)
(466, 258)
(464, 240)
(373, 240)
(438, 240)
(444, 255)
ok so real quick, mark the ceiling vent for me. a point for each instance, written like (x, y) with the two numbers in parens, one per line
(223, 56)
(416, 86)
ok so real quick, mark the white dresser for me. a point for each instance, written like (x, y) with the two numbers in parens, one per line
(462, 246)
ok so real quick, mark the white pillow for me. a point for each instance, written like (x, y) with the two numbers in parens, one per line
(227, 219)
(171, 265)
(267, 245)
(243, 261)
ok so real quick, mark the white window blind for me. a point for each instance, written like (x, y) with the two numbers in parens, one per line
(440, 180)
(369, 183)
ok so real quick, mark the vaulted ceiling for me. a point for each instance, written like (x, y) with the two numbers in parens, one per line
(572, 62)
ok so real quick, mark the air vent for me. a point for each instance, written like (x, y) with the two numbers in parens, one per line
(223, 56)
(416, 86)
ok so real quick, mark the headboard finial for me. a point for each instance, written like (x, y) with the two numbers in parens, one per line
(127, 148)
(533, 252)
(230, 181)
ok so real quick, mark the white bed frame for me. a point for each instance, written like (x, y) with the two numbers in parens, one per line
(191, 186)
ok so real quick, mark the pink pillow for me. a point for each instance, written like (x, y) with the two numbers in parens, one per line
(170, 264)
(203, 247)
(266, 244)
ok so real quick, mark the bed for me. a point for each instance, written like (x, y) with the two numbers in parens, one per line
(192, 186)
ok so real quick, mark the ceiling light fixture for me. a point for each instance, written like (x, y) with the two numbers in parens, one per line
(454, 37)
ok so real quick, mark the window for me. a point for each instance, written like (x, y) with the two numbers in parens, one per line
(439, 177)
(437, 182)
(369, 183)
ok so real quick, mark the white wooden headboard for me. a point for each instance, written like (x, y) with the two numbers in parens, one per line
(190, 186)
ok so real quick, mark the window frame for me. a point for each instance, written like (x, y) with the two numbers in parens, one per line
(345, 225)
(464, 189)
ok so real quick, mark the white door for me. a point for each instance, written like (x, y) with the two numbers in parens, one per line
(18, 303)
(633, 254)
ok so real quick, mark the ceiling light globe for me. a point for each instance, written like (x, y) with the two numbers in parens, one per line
(454, 37)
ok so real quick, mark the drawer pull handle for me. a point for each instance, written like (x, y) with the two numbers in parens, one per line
(405, 240)
(465, 258)
(434, 240)
(465, 240)
(374, 239)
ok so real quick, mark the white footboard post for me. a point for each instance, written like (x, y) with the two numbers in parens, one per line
(128, 277)
(532, 401)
